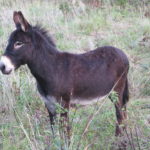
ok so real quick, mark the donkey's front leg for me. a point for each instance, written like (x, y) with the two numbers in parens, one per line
(64, 121)
(52, 117)
(64, 116)
(50, 104)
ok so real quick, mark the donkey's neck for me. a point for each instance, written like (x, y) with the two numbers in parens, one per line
(44, 59)
(42, 66)
(43, 55)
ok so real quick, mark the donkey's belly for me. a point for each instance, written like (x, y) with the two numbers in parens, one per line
(83, 102)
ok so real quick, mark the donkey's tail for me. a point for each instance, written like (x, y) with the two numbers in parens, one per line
(126, 93)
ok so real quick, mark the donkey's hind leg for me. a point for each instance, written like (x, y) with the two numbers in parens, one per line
(120, 105)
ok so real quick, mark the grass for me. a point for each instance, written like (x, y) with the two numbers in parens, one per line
(78, 27)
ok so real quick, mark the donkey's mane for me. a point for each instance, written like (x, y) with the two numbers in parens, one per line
(44, 32)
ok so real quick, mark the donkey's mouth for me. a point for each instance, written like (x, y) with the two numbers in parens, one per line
(6, 72)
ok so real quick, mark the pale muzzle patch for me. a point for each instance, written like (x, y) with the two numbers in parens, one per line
(6, 65)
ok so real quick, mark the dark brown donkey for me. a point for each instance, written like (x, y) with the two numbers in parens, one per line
(66, 78)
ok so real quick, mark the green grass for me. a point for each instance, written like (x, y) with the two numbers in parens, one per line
(24, 122)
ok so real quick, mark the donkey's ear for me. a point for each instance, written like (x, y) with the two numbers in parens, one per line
(20, 21)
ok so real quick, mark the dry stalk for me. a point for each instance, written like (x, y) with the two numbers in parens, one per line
(137, 138)
(132, 139)
(128, 138)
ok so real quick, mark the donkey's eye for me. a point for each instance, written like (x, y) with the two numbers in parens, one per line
(18, 44)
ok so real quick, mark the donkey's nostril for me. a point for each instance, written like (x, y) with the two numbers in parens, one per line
(2, 66)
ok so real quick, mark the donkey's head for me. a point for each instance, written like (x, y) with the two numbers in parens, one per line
(19, 48)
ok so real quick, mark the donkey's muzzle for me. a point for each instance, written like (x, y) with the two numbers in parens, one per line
(6, 66)
(3, 69)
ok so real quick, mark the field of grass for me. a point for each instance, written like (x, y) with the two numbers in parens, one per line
(78, 26)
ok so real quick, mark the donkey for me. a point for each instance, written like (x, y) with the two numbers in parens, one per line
(65, 78)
